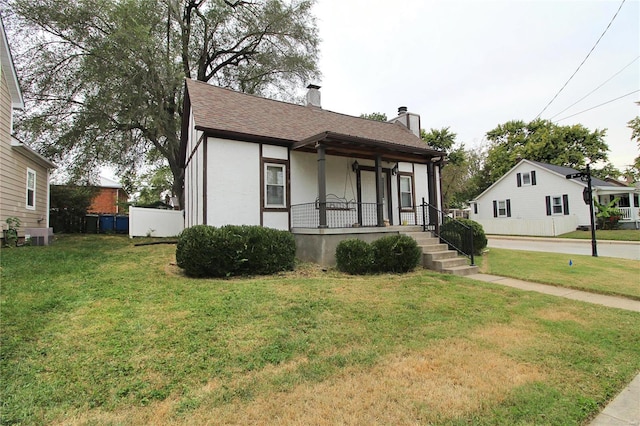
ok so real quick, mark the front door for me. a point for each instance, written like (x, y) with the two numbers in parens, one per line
(367, 195)
(385, 196)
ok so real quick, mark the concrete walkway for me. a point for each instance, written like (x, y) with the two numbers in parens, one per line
(625, 408)
(584, 296)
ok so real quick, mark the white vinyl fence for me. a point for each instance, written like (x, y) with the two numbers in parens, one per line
(155, 222)
(548, 227)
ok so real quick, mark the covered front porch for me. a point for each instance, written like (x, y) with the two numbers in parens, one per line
(627, 202)
(361, 183)
(360, 188)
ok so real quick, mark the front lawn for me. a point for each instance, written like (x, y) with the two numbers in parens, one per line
(97, 331)
(601, 234)
(605, 275)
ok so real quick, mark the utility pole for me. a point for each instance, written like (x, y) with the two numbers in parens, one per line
(588, 199)
(594, 247)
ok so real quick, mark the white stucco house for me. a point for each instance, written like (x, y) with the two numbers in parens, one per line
(535, 198)
(320, 174)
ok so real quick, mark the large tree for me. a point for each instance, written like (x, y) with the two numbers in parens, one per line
(104, 79)
(542, 140)
(442, 139)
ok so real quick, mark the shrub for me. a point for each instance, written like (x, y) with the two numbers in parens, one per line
(194, 248)
(396, 253)
(267, 250)
(205, 251)
(354, 256)
(456, 234)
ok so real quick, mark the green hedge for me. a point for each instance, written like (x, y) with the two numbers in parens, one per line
(206, 251)
(456, 234)
(354, 256)
(395, 253)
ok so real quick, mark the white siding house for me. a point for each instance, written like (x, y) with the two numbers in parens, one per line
(24, 174)
(536, 198)
(254, 161)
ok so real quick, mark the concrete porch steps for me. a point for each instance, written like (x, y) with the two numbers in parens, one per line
(437, 256)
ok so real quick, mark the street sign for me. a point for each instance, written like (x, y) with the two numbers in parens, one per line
(574, 175)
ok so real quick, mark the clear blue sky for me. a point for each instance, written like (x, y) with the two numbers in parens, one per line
(472, 65)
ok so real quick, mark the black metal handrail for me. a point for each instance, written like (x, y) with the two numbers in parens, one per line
(433, 219)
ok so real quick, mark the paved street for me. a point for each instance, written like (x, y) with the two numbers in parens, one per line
(621, 249)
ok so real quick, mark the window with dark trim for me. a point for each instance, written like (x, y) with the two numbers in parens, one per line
(526, 179)
(406, 192)
(502, 208)
(31, 190)
(275, 185)
(557, 205)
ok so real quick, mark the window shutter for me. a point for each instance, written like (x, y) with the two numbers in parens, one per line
(508, 208)
(495, 208)
(475, 208)
(565, 204)
(519, 180)
(548, 200)
(533, 177)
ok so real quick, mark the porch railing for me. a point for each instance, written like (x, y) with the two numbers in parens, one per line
(347, 214)
(455, 234)
(627, 212)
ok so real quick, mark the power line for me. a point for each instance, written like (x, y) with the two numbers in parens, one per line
(605, 82)
(597, 106)
(583, 61)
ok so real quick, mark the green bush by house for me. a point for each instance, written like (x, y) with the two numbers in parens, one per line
(354, 256)
(455, 234)
(395, 253)
(206, 251)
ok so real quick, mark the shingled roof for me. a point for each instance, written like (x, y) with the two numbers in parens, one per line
(223, 111)
(562, 170)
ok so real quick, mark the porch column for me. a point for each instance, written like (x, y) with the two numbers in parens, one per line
(322, 186)
(379, 191)
(433, 194)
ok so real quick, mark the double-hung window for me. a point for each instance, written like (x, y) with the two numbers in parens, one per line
(275, 185)
(406, 192)
(31, 190)
(526, 178)
(502, 208)
(557, 205)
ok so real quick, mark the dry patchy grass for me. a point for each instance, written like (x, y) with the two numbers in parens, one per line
(142, 344)
(452, 379)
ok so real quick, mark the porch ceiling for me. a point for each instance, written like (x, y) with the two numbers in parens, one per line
(356, 147)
